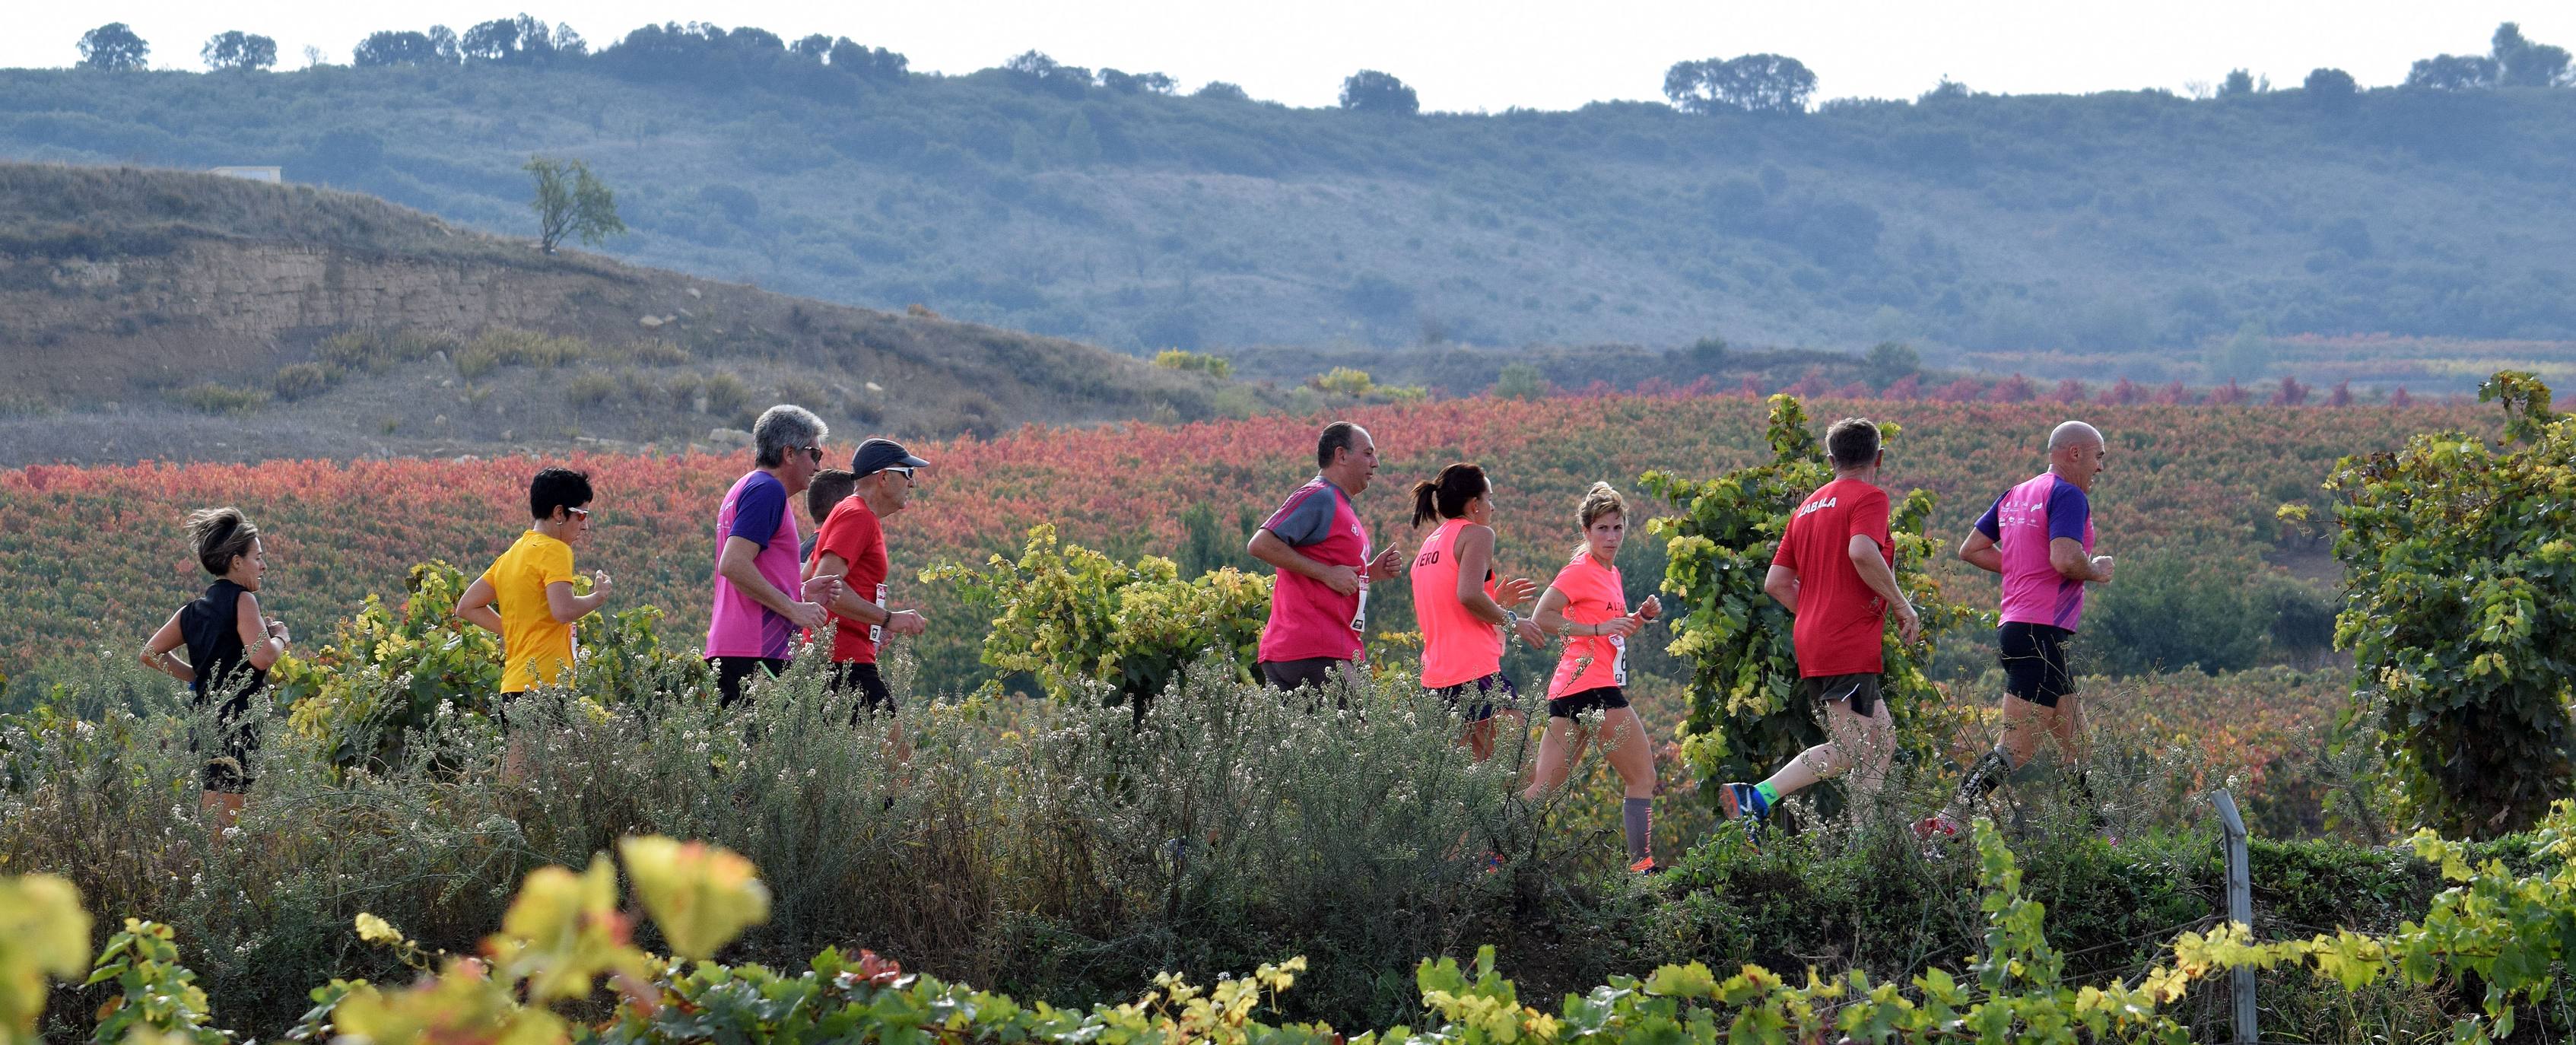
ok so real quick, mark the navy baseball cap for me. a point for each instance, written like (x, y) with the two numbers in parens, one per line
(877, 455)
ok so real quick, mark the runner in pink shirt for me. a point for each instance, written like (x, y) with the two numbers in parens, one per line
(1319, 604)
(1588, 604)
(1466, 610)
(2039, 536)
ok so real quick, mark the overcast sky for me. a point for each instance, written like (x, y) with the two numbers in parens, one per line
(1460, 55)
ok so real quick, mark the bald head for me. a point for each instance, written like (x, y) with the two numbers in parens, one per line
(2075, 453)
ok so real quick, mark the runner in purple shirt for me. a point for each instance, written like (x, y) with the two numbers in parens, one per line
(2039, 536)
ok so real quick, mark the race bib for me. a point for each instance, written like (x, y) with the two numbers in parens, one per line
(1359, 618)
(876, 632)
(1619, 661)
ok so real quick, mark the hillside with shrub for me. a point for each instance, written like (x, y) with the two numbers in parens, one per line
(2121, 234)
(167, 315)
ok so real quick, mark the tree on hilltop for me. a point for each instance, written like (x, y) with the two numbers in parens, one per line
(238, 50)
(406, 47)
(520, 41)
(2332, 90)
(1137, 83)
(2522, 63)
(1034, 71)
(1221, 91)
(1761, 83)
(113, 48)
(868, 63)
(571, 201)
(1369, 90)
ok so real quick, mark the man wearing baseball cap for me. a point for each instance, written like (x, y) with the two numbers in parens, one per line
(853, 546)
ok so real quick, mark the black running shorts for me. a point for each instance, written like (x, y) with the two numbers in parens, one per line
(1573, 704)
(1861, 690)
(2034, 660)
(1485, 687)
(851, 676)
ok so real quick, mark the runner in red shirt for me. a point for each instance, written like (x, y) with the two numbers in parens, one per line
(1319, 604)
(1835, 573)
(852, 546)
(1589, 605)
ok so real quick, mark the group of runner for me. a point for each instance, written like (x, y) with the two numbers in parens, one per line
(775, 590)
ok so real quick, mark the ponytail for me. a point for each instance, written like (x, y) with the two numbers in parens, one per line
(1446, 497)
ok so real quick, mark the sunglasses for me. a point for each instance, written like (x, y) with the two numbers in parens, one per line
(813, 453)
(902, 470)
(582, 514)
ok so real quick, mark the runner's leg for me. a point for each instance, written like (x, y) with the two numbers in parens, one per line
(1633, 756)
(1558, 750)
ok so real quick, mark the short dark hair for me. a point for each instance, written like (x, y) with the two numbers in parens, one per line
(1852, 442)
(829, 488)
(1338, 435)
(557, 488)
(220, 536)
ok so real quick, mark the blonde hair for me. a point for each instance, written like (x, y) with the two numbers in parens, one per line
(1602, 499)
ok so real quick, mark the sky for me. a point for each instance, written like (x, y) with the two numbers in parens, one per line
(1460, 55)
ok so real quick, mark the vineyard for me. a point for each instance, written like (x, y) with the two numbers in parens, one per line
(98, 557)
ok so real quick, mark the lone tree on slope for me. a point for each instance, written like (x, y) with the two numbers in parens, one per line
(570, 200)
(1766, 83)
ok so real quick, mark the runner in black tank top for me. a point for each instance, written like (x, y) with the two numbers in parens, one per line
(228, 653)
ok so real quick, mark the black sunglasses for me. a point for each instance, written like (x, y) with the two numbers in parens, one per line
(813, 453)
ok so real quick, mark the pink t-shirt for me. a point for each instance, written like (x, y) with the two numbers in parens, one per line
(2022, 523)
(1308, 619)
(755, 510)
(1593, 595)
(1457, 648)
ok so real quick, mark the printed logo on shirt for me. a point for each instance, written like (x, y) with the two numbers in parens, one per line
(1813, 507)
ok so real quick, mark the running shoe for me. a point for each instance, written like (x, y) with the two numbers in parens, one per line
(1644, 865)
(1743, 800)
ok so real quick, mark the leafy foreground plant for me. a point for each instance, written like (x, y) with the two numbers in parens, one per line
(565, 932)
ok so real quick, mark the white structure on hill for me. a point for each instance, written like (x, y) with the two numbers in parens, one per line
(271, 175)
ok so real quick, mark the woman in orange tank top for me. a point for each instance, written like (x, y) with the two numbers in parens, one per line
(1463, 608)
(1587, 604)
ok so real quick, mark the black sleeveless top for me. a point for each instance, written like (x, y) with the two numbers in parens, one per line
(212, 627)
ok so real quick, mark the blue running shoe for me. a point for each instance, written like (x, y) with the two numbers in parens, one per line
(1738, 801)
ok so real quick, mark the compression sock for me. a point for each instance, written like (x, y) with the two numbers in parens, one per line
(1636, 816)
(1987, 774)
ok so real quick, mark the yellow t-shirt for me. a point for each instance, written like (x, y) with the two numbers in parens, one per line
(534, 646)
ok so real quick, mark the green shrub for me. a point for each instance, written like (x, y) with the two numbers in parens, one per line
(1521, 381)
(373, 350)
(213, 398)
(1202, 362)
(511, 346)
(591, 388)
(303, 380)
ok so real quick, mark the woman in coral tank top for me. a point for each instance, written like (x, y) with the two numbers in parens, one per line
(1463, 607)
(1587, 604)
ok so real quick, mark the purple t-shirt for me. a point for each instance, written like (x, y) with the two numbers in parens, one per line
(756, 511)
(2022, 523)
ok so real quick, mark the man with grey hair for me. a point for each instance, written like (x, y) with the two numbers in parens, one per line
(2039, 536)
(760, 605)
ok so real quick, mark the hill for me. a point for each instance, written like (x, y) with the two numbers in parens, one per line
(2122, 234)
(158, 314)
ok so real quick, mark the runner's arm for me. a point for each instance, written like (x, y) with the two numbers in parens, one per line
(1550, 613)
(475, 606)
(1782, 584)
(263, 640)
(737, 565)
(566, 607)
(1980, 551)
(1874, 571)
(849, 604)
(1475, 556)
(2067, 555)
(156, 652)
(1268, 547)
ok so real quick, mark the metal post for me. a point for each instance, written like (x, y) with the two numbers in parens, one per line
(2240, 908)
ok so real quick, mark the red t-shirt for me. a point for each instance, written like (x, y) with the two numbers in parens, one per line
(853, 533)
(1308, 619)
(1840, 621)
